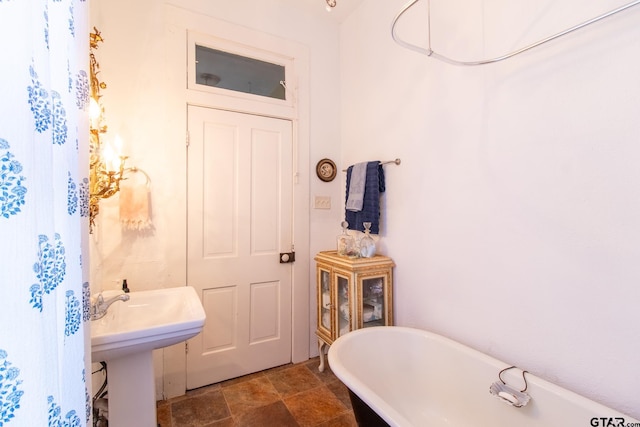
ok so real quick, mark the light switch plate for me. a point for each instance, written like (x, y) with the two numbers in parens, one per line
(322, 202)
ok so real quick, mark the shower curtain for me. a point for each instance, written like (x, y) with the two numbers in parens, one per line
(44, 291)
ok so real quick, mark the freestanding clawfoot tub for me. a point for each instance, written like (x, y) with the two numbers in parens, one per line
(412, 377)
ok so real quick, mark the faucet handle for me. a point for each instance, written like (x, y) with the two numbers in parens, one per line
(97, 300)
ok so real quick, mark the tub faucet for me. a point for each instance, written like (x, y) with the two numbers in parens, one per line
(99, 308)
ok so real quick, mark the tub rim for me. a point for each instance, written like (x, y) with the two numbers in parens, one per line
(393, 417)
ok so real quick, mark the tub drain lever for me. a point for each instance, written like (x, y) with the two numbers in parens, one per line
(509, 394)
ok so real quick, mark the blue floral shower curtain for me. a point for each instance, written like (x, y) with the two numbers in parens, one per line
(44, 329)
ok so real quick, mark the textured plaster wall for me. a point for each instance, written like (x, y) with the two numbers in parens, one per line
(139, 104)
(514, 218)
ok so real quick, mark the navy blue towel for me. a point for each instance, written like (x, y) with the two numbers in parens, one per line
(371, 204)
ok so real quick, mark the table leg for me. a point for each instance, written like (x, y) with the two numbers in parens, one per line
(323, 357)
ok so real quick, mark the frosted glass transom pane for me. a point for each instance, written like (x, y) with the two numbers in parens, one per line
(226, 70)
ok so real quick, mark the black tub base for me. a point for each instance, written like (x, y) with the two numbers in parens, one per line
(365, 416)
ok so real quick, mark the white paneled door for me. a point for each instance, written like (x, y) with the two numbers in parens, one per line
(239, 220)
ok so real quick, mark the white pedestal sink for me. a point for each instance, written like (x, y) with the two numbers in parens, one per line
(125, 338)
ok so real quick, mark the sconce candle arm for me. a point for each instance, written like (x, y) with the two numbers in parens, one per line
(103, 183)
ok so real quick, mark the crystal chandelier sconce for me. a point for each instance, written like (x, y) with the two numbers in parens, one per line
(330, 5)
(106, 165)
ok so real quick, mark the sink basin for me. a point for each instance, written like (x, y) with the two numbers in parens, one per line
(148, 320)
(125, 339)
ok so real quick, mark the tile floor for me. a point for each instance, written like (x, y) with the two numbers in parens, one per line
(287, 396)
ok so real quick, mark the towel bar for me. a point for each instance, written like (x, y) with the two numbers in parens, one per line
(396, 161)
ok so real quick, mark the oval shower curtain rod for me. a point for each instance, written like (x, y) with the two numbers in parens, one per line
(429, 52)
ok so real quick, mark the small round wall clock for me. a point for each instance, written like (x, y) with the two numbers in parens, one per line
(326, 170)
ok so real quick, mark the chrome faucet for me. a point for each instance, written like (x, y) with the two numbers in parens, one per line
(99, 308)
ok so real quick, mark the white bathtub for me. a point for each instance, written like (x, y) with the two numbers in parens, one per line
(412, 377)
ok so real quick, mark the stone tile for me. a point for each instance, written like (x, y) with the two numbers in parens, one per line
(227, 422)
(293, 380)
(202, 390)
(327, 376)
(278, 368)
(249, 395)
(346, 419)
(163, 413)
(199, 410)
(287, 396)
(241, 379)
(274, 414)
(341, 392)
(314, 406)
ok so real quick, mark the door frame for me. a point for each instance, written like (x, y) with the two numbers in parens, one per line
(180, 24)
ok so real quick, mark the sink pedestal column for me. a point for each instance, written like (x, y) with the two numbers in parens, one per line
(132, 399)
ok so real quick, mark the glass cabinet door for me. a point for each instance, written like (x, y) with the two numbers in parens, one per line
(373, 305)
(343, 308)
(325, 300)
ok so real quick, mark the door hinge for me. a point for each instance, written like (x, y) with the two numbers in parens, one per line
(187, 139)
(186, 348)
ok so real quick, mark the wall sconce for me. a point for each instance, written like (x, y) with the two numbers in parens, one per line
(106, 165)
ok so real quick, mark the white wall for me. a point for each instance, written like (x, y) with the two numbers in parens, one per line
(514, 218)
(138, 102)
